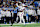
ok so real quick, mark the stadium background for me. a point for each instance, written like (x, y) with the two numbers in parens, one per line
(27, 25)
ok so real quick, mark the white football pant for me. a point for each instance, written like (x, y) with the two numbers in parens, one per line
(20, 14)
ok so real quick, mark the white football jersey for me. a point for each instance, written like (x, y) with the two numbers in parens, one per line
(8, 14)
(31, 12)
(3, 13)
(21, 8)
(38, 12)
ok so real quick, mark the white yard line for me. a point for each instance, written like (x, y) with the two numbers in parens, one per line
(18, 24)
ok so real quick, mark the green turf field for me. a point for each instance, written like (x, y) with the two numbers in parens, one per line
(22, 25)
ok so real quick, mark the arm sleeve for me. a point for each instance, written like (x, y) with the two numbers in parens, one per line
(26, 10)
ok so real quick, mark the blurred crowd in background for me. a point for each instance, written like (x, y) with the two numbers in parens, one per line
(9, 5)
